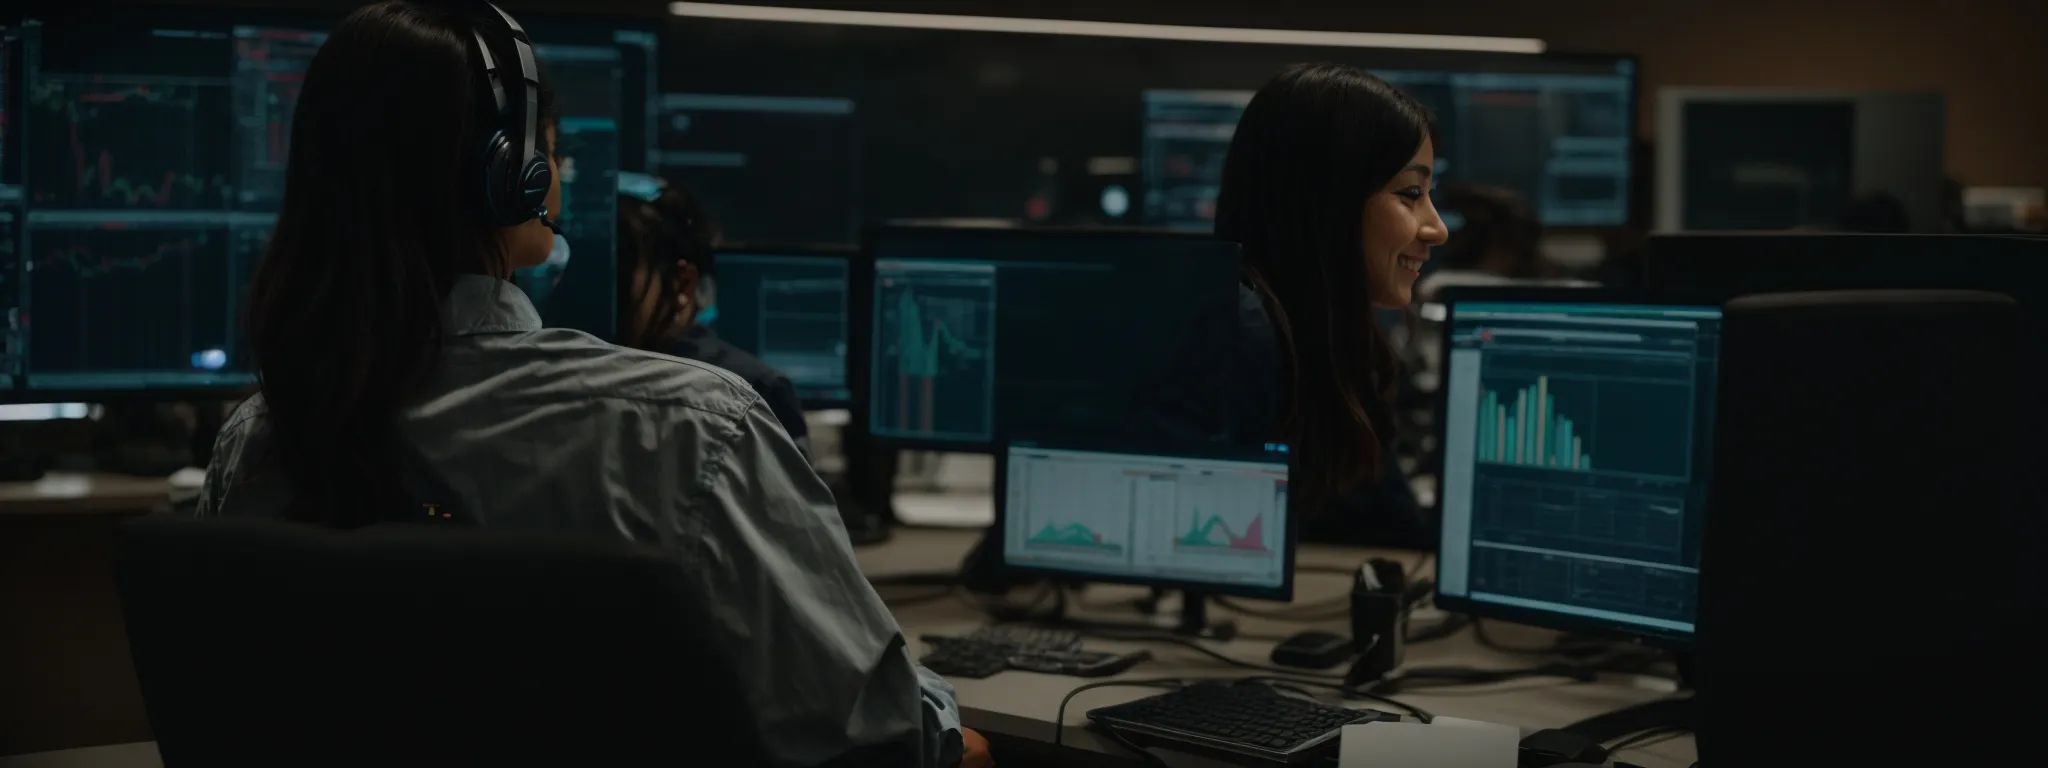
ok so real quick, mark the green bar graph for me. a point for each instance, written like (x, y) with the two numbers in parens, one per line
(1524, 429)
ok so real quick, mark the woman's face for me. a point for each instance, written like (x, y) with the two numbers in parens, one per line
(527, 245)
(1401, 224)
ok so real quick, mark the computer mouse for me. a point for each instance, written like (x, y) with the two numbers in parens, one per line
(1313, 650)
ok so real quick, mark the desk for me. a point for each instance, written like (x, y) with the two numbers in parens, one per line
(1015, 709)
(63, 649)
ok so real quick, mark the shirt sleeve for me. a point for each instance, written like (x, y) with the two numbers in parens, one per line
(826, 667)
(782, 399)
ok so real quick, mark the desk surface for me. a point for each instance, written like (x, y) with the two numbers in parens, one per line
(77, 492)
(1022, 705)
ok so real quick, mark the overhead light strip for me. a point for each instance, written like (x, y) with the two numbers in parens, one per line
(1108, 29)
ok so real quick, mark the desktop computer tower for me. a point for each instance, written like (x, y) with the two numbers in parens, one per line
(1871, 564)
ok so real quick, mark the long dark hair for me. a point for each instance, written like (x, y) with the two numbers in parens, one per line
(653, 236)
(380, 216)
(1315, 143)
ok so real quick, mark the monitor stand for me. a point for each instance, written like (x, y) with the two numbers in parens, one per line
(1680, 712)
(867, 506)
(1193, 620)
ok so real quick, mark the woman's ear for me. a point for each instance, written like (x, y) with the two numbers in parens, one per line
(687, 277)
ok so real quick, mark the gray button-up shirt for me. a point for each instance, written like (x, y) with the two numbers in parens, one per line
(553, 430)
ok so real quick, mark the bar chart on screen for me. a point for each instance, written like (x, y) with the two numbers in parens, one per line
(1578, 423)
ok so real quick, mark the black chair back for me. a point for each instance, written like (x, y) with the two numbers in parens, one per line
(260, 643)
(1873, 533)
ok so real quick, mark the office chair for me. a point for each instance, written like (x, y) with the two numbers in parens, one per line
(1870, 569)
(261, 643)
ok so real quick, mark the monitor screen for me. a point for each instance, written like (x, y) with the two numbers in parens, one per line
(778, 170)
(1214, 521)
(972, 332)
(603, 77)
(1576, 457)
(1560, 139)
(154, 167)
(787, 308)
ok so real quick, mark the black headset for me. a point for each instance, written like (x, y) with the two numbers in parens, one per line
(514, 177)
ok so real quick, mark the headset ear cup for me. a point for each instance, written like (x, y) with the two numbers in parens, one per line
(535, 181)
(498, 187)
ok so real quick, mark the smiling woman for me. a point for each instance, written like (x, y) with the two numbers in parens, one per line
(1327, 187)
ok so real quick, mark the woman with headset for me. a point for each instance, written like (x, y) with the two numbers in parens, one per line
(1327, 188)
(400, 370)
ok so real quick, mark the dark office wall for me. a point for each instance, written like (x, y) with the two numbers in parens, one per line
(1988, 56)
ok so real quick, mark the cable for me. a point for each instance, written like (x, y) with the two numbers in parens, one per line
(1445, 677)
(1215, 654)
(1479, 632)
(1350, 692)
(1649, 738)
(1326, 610)
(1420, 563)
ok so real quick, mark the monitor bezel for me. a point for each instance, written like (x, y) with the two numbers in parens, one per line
(844, 253)
(998, 531)
(860, 334)
(1451, 297)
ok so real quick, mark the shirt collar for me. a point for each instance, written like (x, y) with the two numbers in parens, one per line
(479, 304)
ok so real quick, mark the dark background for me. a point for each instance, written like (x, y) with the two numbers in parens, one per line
(1986, 56)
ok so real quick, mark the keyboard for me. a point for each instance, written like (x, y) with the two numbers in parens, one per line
(1077, 663)
(1028, 637)
(961, 658)
(1235, 721)
(994, 649)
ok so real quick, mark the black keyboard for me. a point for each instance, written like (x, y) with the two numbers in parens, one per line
(961, 657)
(1077, 663)
(1235, 721)
(1026, 637)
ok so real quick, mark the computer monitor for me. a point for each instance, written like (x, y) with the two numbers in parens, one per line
(629, 82)
(1557, 131)
(603, 74)
(966, 332)
(153, 149)
(768, 169)
(1746, 159)
(788, 307)
(1577, 451)
(1209, 519)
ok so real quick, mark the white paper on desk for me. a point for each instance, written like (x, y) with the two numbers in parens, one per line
(1448, 742)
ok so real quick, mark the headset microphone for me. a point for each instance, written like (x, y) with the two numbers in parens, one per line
(542, 216)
